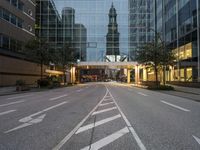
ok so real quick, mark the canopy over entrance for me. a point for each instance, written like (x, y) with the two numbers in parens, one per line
(112, 65)
(128, 66)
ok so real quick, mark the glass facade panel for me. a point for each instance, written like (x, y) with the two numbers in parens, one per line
(85, 23)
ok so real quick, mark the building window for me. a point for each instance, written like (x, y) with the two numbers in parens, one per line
(14, 3)
(20, 23)
(1, 13)
(1, 40)
(20, 6)
(6, 15)
(13, 19)
(13, 44)
(5, 42)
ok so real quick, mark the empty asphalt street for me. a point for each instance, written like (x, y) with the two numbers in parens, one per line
(106, 116)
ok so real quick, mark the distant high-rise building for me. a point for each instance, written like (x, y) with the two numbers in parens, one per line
(80, 41)
(112, 37)
(141, 23)
(68, 21)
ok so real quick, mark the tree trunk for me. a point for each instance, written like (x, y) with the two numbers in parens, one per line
(156, 74)
(164, 81)
(41, 71)
(64, 76)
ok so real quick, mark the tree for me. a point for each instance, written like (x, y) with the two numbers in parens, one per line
(66, 57)
(38, 50)
(154, 54)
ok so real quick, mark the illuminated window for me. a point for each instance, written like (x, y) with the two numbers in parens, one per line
(188, 50)
(189, 74)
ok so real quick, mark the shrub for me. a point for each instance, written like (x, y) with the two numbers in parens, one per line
(43, 82)
(20, 83)
(161, 87)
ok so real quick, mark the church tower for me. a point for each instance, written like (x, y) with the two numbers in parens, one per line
(112, 38)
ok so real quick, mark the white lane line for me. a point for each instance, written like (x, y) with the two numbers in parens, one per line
(142, 94)
(107, 140)
(19, 96)
(98, 123)
(104, 110)
(104, 104)
(55, 98)
(79, 90)
(6, 112)
(7, 104)
(136, 137)
(175, 106)
(197, 139)
(68, 136)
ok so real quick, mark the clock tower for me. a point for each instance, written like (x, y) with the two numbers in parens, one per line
(112, 38)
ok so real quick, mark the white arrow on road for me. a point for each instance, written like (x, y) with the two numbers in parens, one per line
(197, 139)
(29, 120)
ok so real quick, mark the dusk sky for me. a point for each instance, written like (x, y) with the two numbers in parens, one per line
(93, 14)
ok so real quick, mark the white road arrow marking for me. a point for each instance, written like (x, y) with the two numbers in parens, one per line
(29, 123)
(197, 139)
(29, 119)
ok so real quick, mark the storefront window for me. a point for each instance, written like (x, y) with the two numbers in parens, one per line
(182, 74)
(189, 74)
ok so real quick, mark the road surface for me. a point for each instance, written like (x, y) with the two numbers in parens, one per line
(106, 116)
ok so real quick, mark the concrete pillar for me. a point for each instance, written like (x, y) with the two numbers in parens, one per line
(128, 75)
(144, 74)
(72, 75)
(136, 74)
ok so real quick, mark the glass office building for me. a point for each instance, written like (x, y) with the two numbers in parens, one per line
(49, 24)
(141, 24)
(179, 22)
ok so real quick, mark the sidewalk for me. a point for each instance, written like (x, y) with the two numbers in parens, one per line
(8, 90)
(180, 91)
(190, 90)
(12, 90)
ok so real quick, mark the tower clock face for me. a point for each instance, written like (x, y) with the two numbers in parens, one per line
(113, 27)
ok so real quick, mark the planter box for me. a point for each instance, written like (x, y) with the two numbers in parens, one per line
(22, 88)
(150, 83)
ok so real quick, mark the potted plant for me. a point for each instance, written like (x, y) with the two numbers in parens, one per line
(20, 85)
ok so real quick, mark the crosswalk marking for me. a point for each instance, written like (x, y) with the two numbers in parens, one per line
(107, 140)
(104, 110)
(197, 139)
(104, 104)
(108, 99)
(92, 125)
